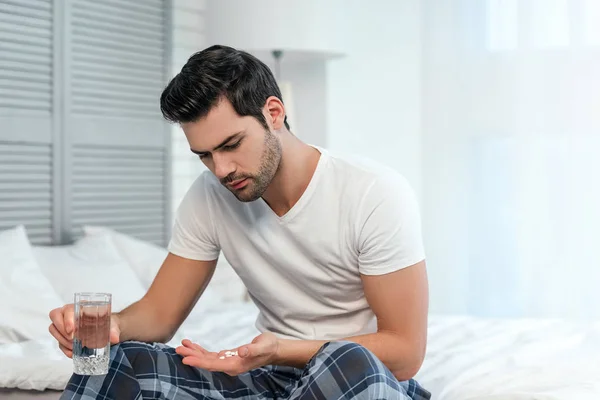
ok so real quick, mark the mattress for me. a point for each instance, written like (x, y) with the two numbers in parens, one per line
(521, 359)
(33, 366)
(467, 358)
(18, 394)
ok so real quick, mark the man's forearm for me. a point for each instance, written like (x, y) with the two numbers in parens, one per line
(401, 358)
(141, 322)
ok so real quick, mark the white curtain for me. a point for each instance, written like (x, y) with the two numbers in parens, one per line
(511, 156)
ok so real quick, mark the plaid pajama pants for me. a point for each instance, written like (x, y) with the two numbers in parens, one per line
(340, 370)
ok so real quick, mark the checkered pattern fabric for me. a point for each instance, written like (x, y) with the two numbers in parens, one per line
(340, 370)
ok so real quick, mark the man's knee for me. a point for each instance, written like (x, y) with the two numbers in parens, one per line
(141, 357)
(350, 357)
(355, 372)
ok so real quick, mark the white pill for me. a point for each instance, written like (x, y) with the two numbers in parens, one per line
(222, 358)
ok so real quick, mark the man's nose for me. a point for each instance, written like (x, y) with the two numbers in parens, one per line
(223, 166)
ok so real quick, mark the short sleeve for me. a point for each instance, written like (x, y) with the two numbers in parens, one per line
(390, 237)
(193, 234)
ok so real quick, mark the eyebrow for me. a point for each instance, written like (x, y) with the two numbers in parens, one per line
(223, 143)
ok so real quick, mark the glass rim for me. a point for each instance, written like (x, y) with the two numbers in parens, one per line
(80, 294)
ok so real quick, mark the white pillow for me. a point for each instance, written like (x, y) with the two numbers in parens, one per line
(144, 258)
(227, 283)
(26, 296)
(92, 264)
(147, 258)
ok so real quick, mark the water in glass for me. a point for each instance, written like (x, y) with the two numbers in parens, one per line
(91, 343)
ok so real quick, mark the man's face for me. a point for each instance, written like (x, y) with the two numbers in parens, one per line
(241, 153)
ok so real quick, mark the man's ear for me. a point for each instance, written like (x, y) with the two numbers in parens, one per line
(275, 112)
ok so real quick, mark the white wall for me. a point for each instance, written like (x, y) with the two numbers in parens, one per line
(374, 92)
(511, 135)
(188, 37)
(308, 80)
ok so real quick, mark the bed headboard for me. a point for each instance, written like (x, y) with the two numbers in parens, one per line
(82, 140)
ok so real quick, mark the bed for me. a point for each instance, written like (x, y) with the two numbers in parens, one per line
(467, 357)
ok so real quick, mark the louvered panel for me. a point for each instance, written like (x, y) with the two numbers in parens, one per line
(104, 76)
(23, 168)
(148, 6)
(117, 72)
(20, 65)
(124, 49)
(123, 177)
(111, 54)
(24, 104)
(118, 142)
(109, 218)
(24, 150)
(129, 199)
(126, 203)
(16, 47)
(26, 66)
(45, 5)
(36, 37)
(39, 219)
(119, 153)
(40, 188)
(110, 38)
(151, 17)
(27, 34)
(112, 70)
(42, 81)
(96, 108)
(130, 188)
(26, 189)
(27, 8)
(148, 158)
(119, 130)
(88, 87)
(119, 186)
(102, 168)
(25, 21)
(83, 13)
(24, 95)
(86, 19)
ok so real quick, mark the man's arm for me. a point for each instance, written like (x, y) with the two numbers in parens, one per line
(174, 292)
(400, 302)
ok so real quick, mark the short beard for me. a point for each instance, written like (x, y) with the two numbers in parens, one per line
(269, 165)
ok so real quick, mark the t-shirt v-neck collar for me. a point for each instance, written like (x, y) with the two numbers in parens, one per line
(306, 195)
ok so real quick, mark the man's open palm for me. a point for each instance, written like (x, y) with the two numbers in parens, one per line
(260, 352)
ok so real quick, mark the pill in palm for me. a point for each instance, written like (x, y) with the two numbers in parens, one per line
(228, 354)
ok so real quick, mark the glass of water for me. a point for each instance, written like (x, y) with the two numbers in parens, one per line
(91, 339)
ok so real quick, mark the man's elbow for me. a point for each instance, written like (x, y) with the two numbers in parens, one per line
(406, 373)
(165, 336)
(410, 366)
(167, 331)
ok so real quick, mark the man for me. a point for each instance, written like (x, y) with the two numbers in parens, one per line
(329, 248)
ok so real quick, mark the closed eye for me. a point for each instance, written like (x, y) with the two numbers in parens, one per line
(232, 146)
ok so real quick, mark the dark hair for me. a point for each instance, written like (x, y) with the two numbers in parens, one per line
(215, 72)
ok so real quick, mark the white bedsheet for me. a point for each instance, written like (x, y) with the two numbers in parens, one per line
(39, 365)
(467, 358)
(484, 359)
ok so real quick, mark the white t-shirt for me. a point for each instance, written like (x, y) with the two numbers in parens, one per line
(302, 270)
